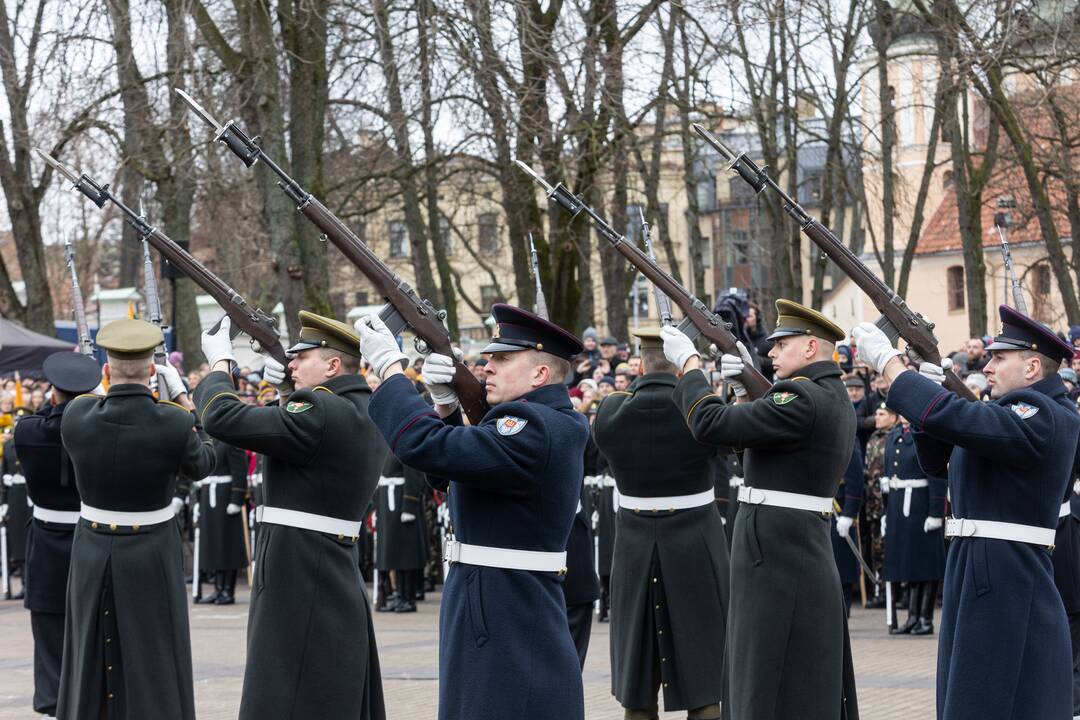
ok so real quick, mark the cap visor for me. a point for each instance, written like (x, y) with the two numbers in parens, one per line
(301, 346)
(1006, 344)
(786, 332)
(495, 346)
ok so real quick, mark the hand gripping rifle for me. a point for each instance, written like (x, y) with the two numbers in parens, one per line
(699, 320)
(86, 345)
(258, 325)
(404, 306)
(541, 301)
(663, 302)
(897, 319)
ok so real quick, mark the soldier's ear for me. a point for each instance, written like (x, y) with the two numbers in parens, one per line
(106, 372)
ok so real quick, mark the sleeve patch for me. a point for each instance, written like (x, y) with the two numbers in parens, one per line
(1024, 410)
(783, 398)
(297, 406)
(510, 425)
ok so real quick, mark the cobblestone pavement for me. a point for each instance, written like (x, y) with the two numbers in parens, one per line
(895, 675)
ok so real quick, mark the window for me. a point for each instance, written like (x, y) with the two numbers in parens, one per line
(489, 295)
(955, 282)
(1042, 280)
(947, 179)
(446, 238)
(399, 240)
(488, 233)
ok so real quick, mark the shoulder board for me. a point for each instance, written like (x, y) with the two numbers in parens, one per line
(88, 395)
(323, 388)
(621, 392)
(799, 377)
(175, 405)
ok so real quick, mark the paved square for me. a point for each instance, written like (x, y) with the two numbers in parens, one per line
(895, 674)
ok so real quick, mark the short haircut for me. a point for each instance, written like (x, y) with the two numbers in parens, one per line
(129, 369)
(1048, 364)
(560, 368)
(350, 364)
(655, 361)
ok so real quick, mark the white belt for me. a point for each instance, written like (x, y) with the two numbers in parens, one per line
(255, 479)
(308, 521)
(60, 517)
(673, 502)
(607, 481)
(735, 481)
(459, 552)
(796, 501)
(112, 518)
(210, 482)
(391, 482)
(594, 481)
(16, 479)
(896, 483)
(963, 527)
(1066, 508)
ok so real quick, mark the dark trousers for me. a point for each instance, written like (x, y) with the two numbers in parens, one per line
(580, 619)
(1074, 632)
(48, 631)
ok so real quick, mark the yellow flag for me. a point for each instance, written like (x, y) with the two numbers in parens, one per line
(131, 310)
(18, 390)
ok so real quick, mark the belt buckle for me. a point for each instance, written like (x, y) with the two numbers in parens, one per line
(453, 551)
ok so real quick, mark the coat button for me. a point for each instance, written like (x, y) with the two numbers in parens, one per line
(109, 668)
(110, 696)
(340, 536)
(112, 526)
(654, 579)
(663, 660)
(135, 528)
(657, 606)
(93, 525)
(108, 641)
(106, 612)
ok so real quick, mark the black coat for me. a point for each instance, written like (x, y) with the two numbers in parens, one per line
(604, 506)
(786, 621)
(323, 456)
(505, 649)
(849, 498)
(221, 535)
(669, 580)
(13, 493)
(1004, 636)
(128, 451)
(911, 553)
(50, 483)
(398, 545)
(581, 586)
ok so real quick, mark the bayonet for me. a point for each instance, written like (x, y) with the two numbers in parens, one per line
(541, 301)
(1001, 223)
(82, 329)
(663, 303)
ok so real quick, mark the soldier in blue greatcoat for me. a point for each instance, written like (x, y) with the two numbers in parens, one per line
(914, 534)
(1004, 649)
(514, 481)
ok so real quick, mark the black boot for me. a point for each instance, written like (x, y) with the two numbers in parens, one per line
(926, 609)
(227, 596)
(219, 585)
(914, 598)
(604, 584)
(406, 591)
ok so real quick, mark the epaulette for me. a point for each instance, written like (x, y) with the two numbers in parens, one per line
(322, 387)
(620, 392)
(799, 377)
(170, 402)
(89, 395)
(215, 397)
(694, 406)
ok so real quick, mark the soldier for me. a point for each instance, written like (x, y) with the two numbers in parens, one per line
(221, 530)
(1066, 559)
(14, 506)
(1004, 646)
(849, 496)
(787, 641)
(607, 510)
(50, 483)
(914, 540)
(323, 456)
(400, 533)
(127, 649)
(581, 586)
(669, 580)
(514, 481)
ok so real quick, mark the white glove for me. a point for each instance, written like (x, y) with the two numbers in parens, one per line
(731, 367)
(195, 514)
(3, 511)
(872, 345)
(177, 505)
(169, 379)
(935, 373)
(883, 519)
(409, 517)
(232, 509)
(677, 347)
(932, 524)
(439, 376)
(843, 525)
(274, 373)
(377, 345)
(218, 346)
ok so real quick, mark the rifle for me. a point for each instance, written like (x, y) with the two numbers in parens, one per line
(258, 325)
(1001, 223)
(153, 300)
(541, 301)
(663, 303)
(86, 345)
(404, 306)
(698, 319)
(897, 319)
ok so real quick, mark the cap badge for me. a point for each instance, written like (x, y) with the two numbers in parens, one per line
(1024, 410)
(510, 425)
(495, 332)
